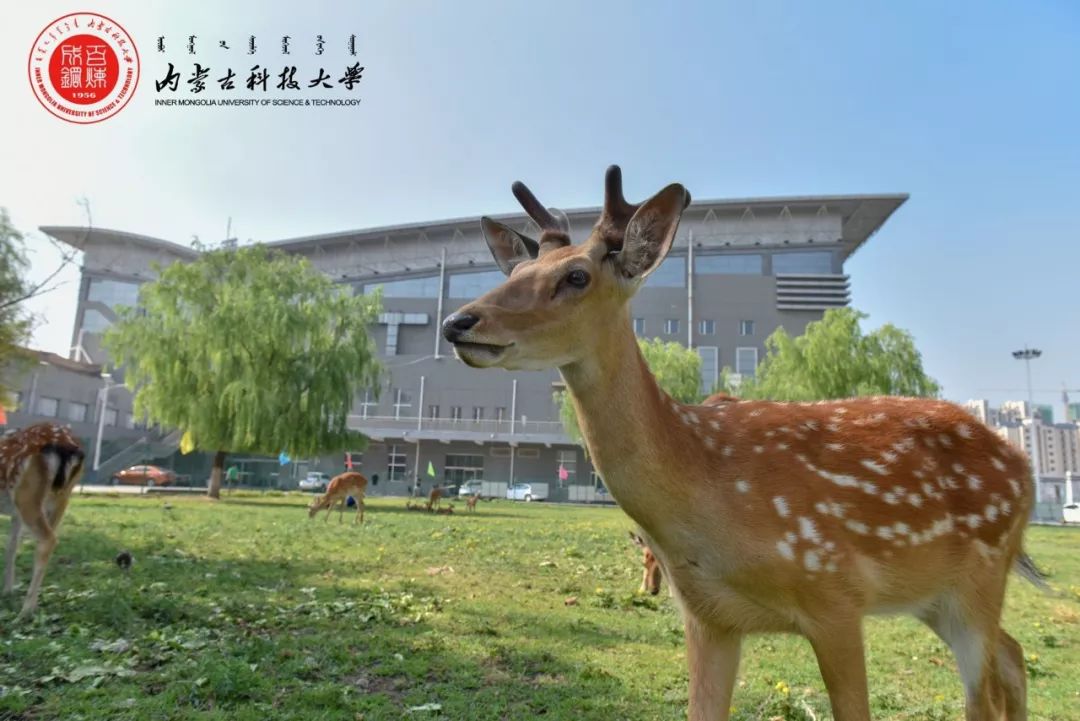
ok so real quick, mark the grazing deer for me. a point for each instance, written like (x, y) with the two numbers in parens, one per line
(650, 579)
(340, 487)
(791, 517)
(39, 467)
(470, 503)
(434, 498)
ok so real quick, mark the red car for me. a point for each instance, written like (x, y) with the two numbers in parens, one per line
(144, 475)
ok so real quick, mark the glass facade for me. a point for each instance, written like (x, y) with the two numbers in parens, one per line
(817, 262)
(474, 285)
(670, 274)
(426, 287)
(94, 321)
(736, 264)
(113, 293)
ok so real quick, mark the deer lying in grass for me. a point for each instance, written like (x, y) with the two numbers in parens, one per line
(39, 467)
(340, 487)
(766, 517)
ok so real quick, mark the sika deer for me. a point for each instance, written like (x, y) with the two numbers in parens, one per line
(39, 467)
(340, 487)
(791, 517)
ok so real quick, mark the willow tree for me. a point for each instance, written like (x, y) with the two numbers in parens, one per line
(835, 359)
(248, 350)
(677, 370)
(15, 321)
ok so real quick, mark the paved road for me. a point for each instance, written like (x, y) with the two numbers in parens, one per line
(136, 490)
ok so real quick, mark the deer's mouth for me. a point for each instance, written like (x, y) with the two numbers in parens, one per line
(480, 355)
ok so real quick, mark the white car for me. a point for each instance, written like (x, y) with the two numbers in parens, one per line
(315, 481)
(1071, 513)
(470, 488)
(525, 492)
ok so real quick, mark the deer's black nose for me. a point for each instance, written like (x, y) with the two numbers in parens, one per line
(456, 324)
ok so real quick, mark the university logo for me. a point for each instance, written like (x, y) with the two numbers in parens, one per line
(84, 68)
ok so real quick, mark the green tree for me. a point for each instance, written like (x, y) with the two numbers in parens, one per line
(834, 359)
(677, 370)
(15, 322)
(248, 350)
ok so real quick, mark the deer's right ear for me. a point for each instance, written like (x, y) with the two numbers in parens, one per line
(508, 246)
(651, 231)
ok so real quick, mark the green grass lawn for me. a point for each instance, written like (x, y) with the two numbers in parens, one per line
(246, 609)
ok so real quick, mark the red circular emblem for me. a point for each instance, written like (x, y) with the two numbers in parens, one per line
(84, 67)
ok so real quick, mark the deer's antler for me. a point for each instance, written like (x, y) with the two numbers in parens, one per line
(554, 225)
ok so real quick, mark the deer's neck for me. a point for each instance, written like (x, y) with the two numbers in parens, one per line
(627, 421)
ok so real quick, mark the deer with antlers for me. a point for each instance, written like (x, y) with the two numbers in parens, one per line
(39, 467)
(341, 487)
(766, 517)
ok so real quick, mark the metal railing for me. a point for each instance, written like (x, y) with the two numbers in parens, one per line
(145, 447)
(460, 425)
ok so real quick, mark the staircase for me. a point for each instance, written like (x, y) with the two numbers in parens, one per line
(156, 446)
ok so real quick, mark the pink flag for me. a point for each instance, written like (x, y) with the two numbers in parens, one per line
(348, 461)
(563, 475)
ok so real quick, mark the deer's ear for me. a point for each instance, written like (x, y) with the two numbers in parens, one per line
(651, 231)
(508, 246)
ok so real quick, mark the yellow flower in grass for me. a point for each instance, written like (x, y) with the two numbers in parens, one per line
(782, 688)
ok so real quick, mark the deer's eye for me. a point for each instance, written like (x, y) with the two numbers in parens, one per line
(577, 278)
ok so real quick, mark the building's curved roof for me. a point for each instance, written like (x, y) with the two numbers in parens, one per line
(861, 215)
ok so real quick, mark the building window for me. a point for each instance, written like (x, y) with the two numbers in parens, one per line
(402, 402)
(671, 326)
(113, 293)
(710, 367)
(567, 460)
(47, 407)
(129, 421)
(706, 327)
(500, 414)
(478, 413)
(76, 412)
(818, 262)
(528, 453)
(111, 416)
(746, 327)
(395, 463)
(433, 412)
(461, 467)
(746, 361)
(455, 413)
(426, 287)
(94, 321)
(369, 405)
(474, 285)
(639, 326)
(735, 264)
(670, 274)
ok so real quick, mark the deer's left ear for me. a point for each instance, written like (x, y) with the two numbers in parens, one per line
(651, 231)
(508, 246)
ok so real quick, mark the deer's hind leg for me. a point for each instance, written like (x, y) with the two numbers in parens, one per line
(12, 551)
(30, 495)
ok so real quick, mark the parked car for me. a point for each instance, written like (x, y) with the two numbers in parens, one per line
(470, 488)
(314, 481)
(526, 492)
(1071, 513)
(144, 475)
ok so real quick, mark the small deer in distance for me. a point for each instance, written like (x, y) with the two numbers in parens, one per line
(765, 516)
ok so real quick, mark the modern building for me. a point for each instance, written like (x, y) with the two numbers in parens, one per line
(738, 270)
(1058, 444)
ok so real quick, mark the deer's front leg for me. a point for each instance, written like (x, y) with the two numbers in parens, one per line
(714, 660)
(12, 551)
(841, 658)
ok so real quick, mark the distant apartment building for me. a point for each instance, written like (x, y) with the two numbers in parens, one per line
(981, 409)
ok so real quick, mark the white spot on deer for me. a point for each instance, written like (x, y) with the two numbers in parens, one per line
(875, 467)
(918, 474)
(991, 513)
(974, 482)
(811, 425)
(915, 499)
(857, 527)
(891, 499)
(889, 457)
(841, 410)
(929, 442)
(710, 442)
(756, 412)
(714, 424)
(901, 528)
(834, 427)
(964, 431)
(770, 434)
(809, 530)
(885, 532)
(812, 561)
(837, 509)
(742, 486)
(997, 463)
(785, 550)
(781, 506)
(973, 520)
(837, 447)
(1015, 486)
(783, 429)
(829, 546)
(693, 417)
(831, 566)
(781, 446)
(759, 449)
(790, 537)
(728, 450)
(822, 508)
(868, 488)
(1006, 508)
(945, 440)
(958, 467)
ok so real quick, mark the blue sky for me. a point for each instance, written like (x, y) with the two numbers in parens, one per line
(972, 108)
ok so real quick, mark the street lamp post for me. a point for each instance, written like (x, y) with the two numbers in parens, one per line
(1027, 355)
